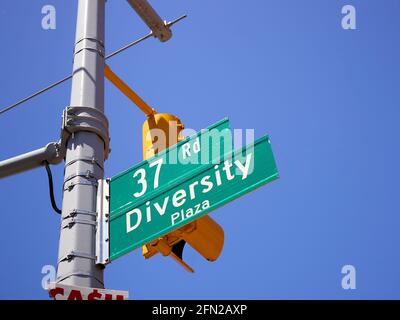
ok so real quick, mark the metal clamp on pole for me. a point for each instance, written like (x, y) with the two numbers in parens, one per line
(87, 160)
(74, 213)
(70, 184)
(78, 273)
(103, 222)
(70, 222)
(88, 175)
(90, 44)
(74, 254)
(77, 119)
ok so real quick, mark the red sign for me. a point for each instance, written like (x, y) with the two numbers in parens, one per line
(65, 292)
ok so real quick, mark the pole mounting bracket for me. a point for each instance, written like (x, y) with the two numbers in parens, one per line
(90, 44)
(78, 273)
(70, 222)
(74, 254)
(103, 222)
(79, 180)
(75, 212)
(87, 174)
(87, 160)
(89, 119)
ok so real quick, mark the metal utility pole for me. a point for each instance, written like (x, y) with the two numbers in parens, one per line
(85, 130)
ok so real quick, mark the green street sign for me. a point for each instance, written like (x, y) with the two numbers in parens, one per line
(142, 182)
(189, 196)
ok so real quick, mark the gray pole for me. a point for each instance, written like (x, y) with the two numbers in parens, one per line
(86, 151)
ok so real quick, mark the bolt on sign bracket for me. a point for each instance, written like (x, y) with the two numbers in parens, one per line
(102, 229)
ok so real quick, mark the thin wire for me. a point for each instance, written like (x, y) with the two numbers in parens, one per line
(69, 77)
(51, 188)
(169, 24)
(129, 45)
(35, 94)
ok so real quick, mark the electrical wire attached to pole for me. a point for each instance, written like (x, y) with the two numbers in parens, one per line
(51, 188)
(55, 84)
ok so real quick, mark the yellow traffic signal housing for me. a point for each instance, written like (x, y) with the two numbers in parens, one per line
(206, 236)
(160, 131)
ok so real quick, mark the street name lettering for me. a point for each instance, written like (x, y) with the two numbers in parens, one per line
(179, 198)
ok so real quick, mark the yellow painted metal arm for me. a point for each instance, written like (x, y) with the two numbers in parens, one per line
(128, 92)
(181, 262)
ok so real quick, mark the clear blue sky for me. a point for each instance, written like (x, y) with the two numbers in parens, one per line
(328, 98)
